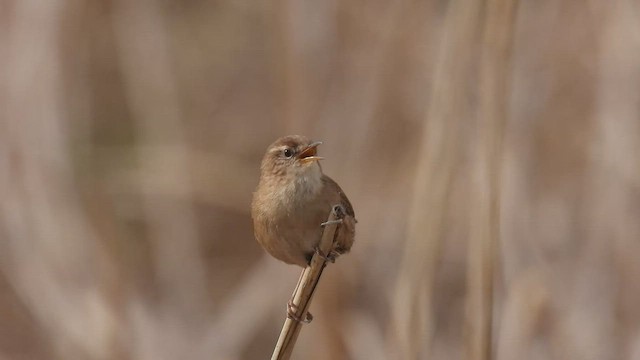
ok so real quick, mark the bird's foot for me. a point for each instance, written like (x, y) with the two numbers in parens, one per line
(337, 221)
(291, 313)
(339, 210)
(331, 257)
(340, 213)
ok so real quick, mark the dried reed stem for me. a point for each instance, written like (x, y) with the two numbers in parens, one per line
(304, 291)
(494, 79)
(436, 172)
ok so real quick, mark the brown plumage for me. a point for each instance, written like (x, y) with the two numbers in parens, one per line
(293, 199)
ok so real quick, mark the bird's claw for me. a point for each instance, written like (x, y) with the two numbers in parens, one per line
(340, 213)
(291, 313)
(339, 210)
(337, 221)
(331, 257)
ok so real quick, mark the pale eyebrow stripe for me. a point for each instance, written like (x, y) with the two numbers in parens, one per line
(280, 148)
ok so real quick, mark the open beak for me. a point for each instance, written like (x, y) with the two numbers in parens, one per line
(309, 153)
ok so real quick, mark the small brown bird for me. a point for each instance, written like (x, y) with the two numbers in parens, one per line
(292, 201)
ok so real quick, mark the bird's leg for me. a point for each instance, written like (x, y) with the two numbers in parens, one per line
(333, 255)
(340, 214)
(291, 313)
(325, 257)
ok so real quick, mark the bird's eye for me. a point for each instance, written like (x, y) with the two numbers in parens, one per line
(287, 153)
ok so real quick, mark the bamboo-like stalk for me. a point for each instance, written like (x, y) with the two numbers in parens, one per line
(304, 292)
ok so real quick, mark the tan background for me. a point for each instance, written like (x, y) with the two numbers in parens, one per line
(490, 150)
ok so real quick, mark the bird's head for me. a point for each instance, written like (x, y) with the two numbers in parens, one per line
(291, 157)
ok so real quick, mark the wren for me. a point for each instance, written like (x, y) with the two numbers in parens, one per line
(293, 200)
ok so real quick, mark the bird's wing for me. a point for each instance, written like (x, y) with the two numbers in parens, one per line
(343, 198)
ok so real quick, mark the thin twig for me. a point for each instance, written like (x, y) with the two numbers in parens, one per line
(304, 292)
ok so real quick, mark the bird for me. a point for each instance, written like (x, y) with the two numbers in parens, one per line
(293, 200)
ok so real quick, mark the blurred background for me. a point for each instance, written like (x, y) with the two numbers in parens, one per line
(490, 150)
